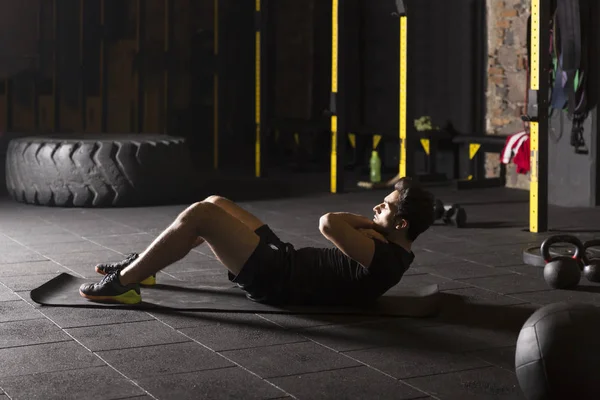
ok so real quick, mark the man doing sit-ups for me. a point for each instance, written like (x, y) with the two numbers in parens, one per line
(370, 255)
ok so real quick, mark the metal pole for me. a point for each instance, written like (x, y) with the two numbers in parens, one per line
(81, 65)
(216, 114)
(55, 76)
(538, 116)
(402, 170)
(259, 86)
(167, 64)
(335, 24)
(103, 70)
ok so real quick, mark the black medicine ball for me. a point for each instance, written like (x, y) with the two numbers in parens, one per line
(558, 353)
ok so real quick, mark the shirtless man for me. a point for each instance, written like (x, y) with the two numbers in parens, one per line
(368, 258)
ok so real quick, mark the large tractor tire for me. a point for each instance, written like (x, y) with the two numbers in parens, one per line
(101, 170)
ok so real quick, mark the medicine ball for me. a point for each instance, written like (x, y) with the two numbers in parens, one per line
(558, 353)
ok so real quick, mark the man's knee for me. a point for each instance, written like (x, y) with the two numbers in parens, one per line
(214, 199)
(198, 213)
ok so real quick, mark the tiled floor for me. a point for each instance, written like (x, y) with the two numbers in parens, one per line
(465, 352)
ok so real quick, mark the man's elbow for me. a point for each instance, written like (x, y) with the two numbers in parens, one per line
(325, 223)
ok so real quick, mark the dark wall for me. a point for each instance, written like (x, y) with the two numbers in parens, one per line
(448, 63)
(574, 179)
(236, 81)
(18, 41)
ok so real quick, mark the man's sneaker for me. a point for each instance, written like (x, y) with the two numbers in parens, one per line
(110, 289)
(105, 269)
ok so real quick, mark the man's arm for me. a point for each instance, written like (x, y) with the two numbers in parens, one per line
(342, 229)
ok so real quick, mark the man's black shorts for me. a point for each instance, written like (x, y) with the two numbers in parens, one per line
(266, 274)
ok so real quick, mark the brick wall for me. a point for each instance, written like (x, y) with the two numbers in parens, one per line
(507, 75)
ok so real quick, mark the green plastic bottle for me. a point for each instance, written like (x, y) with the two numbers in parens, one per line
(375, 167)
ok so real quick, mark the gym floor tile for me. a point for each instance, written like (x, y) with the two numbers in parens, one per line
(254, 332)
(126, 335)
(470, 337)
(97, 227)
(349, 383)
(426, 257)
(35, 331)
(528, 270)
(18, 310)
(50, 357)
(66, 317)
(509, 284)
(83, 383)
(31, 268)
(496, 259)
(190, 319)
(417, 357)
(128, 248)
(50, 238)
(14, 248)
(300, 321)
(367, 335)
(87, 259)
(127, 239)
(478, 384)
(503, 357)
(462, 270)
(584, 293)
(166, 359)
(21, 256)
(289, 359)
(23, 283)
(419, 280)
(24, 230)
(6, 294)
(456, 249)
(52, 249)
(224, 383)
(478, 296)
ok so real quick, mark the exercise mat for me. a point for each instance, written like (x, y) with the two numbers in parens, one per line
(63, 290)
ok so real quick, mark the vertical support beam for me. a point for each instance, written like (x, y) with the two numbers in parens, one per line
(81, 65)
(8, 95)
(538, 125)
(333, 106)
(403, 162)
(56, 61)
(167, 63)
(103, 69)
(36, 78)
(259, 85)
(216, 97)
(140, 100)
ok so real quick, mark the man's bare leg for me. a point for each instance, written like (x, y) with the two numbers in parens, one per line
(250, 220)
(232, 241)
(227, 228)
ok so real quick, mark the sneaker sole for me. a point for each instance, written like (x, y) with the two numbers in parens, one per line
(150, 281)
(129, 297)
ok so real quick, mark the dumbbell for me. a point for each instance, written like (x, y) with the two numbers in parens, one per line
(452, 214)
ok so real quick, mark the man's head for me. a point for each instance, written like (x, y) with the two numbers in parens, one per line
(408, 210)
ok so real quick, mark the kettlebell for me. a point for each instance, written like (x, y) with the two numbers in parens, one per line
(562, 272)
(591, 269)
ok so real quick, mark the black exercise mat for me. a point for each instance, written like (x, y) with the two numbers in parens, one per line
(63, 290)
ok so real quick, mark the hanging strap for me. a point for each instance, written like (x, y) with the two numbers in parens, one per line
(569, 24)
